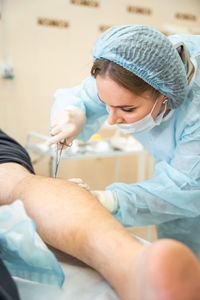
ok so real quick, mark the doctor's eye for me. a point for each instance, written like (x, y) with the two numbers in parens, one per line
(128, 109)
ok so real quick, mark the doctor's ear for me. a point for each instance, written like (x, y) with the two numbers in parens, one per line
(163, 98)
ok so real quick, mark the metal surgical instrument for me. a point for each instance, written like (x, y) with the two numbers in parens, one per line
(59, 153)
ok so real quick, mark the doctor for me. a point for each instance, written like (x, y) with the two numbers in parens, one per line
(149, 86)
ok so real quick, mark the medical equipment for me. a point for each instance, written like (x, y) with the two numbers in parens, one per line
(108, 199)
(59, 153)
(145, 124)
(58, 157)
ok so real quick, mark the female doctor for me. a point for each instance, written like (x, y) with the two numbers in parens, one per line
(149, 86)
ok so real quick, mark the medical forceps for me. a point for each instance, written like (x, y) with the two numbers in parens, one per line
(59, 153)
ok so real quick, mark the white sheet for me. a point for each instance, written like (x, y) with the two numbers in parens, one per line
(81, 282)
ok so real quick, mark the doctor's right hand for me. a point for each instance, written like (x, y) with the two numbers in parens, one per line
(66, 125)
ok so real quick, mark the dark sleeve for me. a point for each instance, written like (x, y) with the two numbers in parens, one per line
(12, 151)
(8, 289)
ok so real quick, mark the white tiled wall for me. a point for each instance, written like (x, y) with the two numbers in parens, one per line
(45, 58)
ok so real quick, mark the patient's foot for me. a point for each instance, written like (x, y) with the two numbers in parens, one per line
(165, 270)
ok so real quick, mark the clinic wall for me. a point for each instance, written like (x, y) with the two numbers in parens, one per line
(48, 44)
(46, 57)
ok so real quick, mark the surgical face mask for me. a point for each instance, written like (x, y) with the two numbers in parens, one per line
(147, 123)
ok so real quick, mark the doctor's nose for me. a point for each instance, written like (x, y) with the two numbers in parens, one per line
(113, 117)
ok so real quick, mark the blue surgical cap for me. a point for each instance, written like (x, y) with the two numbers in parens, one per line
(147, 53)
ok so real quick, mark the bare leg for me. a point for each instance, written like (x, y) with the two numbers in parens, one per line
(70, 219)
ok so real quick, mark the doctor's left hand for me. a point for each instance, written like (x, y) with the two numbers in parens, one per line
(107, 198)
(80, 183)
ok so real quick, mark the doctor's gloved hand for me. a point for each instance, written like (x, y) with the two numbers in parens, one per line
(80, 183)
(66, 125)
(108, 199)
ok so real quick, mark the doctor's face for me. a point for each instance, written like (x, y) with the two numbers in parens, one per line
(122, 105)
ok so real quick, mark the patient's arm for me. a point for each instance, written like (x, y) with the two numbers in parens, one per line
(70, 219)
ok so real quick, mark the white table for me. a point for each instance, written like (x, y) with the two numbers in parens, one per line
(42, 149)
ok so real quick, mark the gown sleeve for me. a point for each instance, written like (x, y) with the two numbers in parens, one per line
(86, 98)
(172, 193)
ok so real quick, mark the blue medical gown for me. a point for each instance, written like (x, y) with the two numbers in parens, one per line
(171, 199)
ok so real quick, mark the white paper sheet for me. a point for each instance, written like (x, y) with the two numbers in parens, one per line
(82, 282)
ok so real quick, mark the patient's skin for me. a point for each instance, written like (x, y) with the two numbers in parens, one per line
(70, 219)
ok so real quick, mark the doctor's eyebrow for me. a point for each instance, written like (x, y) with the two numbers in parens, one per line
(117, 106)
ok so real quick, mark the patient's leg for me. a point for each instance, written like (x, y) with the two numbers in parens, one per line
(71, 219)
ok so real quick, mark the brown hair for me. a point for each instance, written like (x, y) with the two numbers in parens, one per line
(123, 77)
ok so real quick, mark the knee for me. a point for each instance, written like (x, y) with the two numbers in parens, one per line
(11, 177)
(170, 271)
